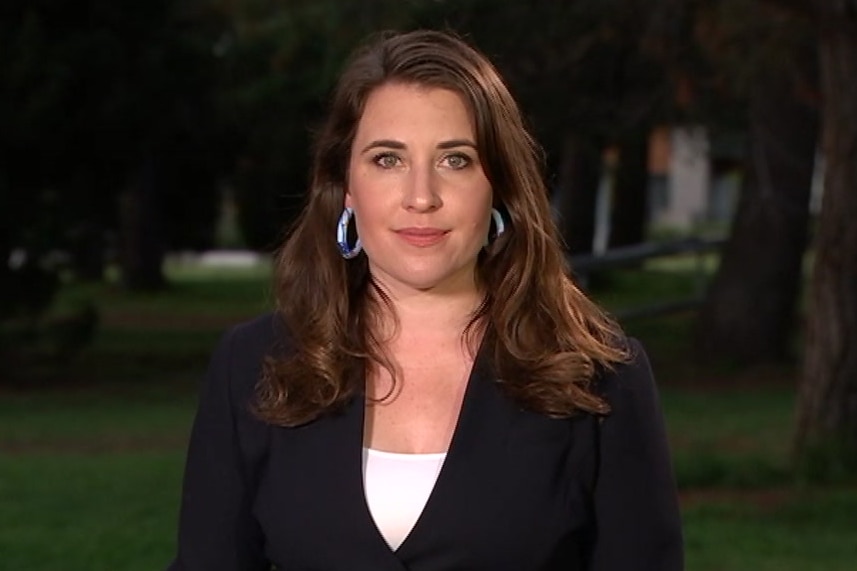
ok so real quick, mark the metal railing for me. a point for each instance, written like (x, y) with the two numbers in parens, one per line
(630, 256)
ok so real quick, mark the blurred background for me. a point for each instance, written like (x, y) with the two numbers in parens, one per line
(702, 161)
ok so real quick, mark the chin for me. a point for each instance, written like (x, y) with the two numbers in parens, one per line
(418, 282)
(422, 279)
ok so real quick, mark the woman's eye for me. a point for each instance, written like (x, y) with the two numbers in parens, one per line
(457, 162)
(386, 160)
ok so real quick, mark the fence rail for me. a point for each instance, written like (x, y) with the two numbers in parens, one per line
(585, 264)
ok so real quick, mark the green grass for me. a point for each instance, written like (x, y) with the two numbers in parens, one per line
(194, 291)
(145, 337)
(97, 419)
(90, 478)
(734, 437)
(91, 454)
(785, 531)
(101, 511)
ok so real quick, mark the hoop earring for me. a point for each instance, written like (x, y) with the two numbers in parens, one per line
(342, 235)
(499, 225)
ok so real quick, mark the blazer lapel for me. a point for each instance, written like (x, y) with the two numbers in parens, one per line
(351, 494)
(479, 439)
(311, 500)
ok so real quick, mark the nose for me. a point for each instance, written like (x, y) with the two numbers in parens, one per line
(421, 192)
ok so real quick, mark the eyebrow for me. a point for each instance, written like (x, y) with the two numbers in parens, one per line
(443, 145)
(456, 143)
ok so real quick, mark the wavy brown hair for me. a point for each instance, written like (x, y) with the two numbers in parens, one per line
(546, 338)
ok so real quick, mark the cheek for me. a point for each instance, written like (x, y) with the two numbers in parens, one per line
(370, 214)
(483, 221)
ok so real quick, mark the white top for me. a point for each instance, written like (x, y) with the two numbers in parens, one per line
(397, 487)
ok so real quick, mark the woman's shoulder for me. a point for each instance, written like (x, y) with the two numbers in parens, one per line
(629, 385)
(243, 347)
(260, 334)
(264, 332)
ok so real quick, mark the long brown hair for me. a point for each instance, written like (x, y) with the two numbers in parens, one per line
(546, 338)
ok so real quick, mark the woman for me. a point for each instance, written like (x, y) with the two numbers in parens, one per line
(433, 392)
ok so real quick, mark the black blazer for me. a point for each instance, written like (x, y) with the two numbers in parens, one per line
(518, 491)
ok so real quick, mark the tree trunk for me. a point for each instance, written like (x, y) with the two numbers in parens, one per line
(7, 303)
(826, 435)
(749, 312)
(142, 229)
(630, 193)
(580, 172)
(87, 251)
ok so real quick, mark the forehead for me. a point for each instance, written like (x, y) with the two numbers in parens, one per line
(398, 110)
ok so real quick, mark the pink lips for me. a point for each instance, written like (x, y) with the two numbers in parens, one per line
(421, 237)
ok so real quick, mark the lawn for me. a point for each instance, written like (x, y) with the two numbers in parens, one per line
(91, 455)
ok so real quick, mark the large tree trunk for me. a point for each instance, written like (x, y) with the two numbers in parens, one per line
(749, 313)
(580, 171)
(87, 251)
(630, 192)
(826, 436)
(7, 303)
(143, 241)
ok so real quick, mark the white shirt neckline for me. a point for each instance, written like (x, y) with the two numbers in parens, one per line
(397, 487)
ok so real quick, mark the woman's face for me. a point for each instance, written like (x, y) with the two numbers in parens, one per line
(421, 201)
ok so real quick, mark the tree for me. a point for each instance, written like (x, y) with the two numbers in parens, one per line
(580, 168)
(629, 219)
(826, 434)
(91, 91)
(767, 55)
(168, 76)
(37, 156)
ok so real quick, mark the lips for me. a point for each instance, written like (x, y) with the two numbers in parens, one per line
(422, 237)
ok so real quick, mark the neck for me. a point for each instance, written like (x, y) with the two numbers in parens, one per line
(430, 313)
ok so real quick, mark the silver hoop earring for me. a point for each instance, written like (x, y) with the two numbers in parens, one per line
(499, 225)
(342, 235)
